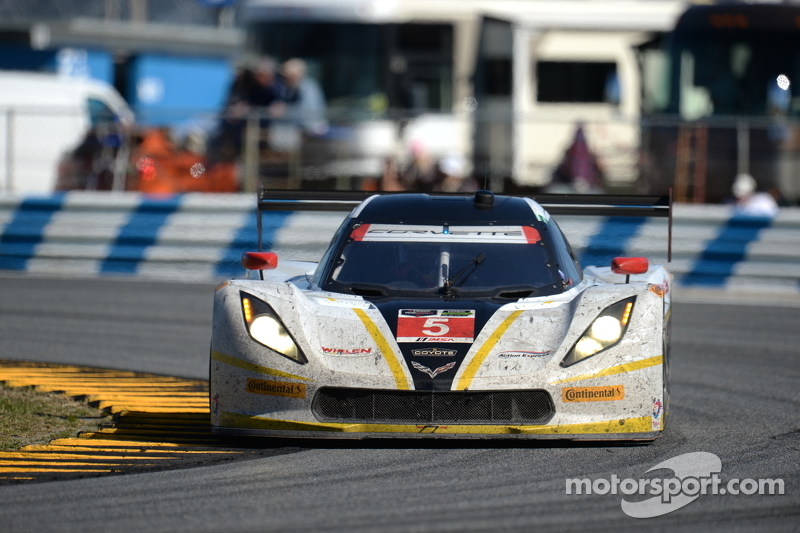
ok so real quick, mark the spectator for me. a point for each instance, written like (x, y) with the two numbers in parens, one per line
(579, 170)
(305, 102)
(390, 181)
(453, 176)
(750, 202)
(421, 174)
(253, 88)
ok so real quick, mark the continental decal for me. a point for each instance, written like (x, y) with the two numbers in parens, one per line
(276, 388)
(657, 290)
(593, 394)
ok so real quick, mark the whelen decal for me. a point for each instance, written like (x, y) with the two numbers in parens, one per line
(433, 373)
(342, 351)
(434, 352)
(276, 388)
(406, 233)
(425, 325)
(593, 394)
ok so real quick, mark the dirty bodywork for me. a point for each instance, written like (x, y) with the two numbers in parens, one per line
(443, 316)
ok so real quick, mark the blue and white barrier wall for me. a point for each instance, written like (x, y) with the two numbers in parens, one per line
(202, 237)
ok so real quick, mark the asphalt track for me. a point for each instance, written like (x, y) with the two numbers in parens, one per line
(735, 393)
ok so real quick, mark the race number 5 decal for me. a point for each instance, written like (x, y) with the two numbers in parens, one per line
(436, 325)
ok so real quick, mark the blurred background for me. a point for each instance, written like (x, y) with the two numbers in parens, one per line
(587, 96)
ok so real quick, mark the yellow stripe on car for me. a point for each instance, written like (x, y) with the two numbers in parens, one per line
(619, 369)
(383, 345)
(252, 367)
(472, 368)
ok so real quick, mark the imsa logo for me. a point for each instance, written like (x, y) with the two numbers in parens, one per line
(434, 352)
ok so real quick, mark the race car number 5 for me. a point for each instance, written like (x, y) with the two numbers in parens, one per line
(436, 327)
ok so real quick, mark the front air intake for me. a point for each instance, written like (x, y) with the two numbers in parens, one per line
(433, 407)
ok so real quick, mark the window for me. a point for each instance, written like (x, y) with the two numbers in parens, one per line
(99, 112)
(578, 82)
(498, 77)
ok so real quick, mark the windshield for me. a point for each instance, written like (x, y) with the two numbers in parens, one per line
(503, 261)
(724, 74)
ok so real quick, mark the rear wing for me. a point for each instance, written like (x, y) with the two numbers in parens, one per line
(555, 204)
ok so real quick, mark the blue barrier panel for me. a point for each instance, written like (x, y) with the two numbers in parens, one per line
(611, 240)
(715, 265)
(247, 240)
(26, 230)
(138, 234)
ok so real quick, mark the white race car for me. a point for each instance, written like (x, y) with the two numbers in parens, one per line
(444, 316)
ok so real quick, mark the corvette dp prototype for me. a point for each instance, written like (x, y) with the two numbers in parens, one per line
(443, 316)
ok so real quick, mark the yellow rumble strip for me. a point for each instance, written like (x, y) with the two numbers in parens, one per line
(157, 422)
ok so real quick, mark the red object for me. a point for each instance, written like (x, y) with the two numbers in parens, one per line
(630, 265)
(358, 233)
(531, 234)
(260, 260)
(430, 325)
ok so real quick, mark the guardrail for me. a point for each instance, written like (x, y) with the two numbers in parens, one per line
(195, 237)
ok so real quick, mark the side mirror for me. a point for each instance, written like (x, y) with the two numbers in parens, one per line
(629, 265)
(260, 260)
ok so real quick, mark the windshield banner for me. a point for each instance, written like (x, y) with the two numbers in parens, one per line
(408, 233)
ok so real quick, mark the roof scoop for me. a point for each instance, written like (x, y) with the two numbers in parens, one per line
(484, 199)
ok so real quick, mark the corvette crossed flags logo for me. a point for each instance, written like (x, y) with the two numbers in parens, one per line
(433, 373)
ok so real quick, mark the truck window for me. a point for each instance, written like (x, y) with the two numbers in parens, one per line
(576, 82)
(99, 112)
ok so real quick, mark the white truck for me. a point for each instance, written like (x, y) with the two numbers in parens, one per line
(42, 116)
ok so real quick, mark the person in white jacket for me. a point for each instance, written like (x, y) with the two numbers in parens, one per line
(749, 201)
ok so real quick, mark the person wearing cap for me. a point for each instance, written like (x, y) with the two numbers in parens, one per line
(453, 176)
(749, 201)
(305, 102)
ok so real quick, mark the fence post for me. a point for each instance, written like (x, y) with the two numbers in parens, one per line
(742, 147)
(252, 154)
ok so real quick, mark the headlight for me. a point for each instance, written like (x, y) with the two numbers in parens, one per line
(606, 331)
(266, 328)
